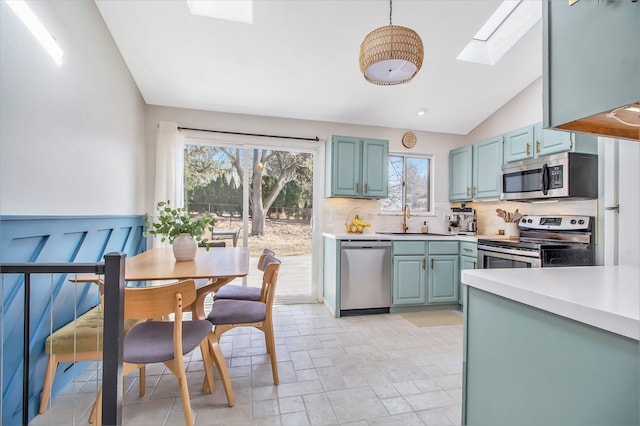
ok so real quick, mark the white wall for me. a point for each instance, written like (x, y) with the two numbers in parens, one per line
(334, 210)
(522, 110)
(71, 137)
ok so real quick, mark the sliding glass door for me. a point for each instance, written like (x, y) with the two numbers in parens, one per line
(264, 197)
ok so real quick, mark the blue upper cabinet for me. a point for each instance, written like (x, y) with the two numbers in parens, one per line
(375, 168)
(534, 141)
(474, 170)
(590, 65)
(460, 173)
(357, 167)
(551, 141)
(518, 144)
(487, 160)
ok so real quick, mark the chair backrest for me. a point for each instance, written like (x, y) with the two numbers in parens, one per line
(269, 280)
(266, 252)
(157, 301)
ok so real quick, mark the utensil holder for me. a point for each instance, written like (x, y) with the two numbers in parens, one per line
(511, 230)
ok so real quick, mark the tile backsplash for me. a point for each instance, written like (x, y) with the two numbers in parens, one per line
(336, 210)
(489, 223)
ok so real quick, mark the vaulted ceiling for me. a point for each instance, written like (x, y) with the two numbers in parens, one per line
(299, 59)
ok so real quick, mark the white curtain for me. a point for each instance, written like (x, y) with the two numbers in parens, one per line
(169, 165)
(169, 170)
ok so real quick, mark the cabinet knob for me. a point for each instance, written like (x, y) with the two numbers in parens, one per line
(537, 147)
(424, 263)
(432, 263)
(468, 195)
(366, 188)
(475, 265)
(473, 191)
(357, 187)
(527, 149)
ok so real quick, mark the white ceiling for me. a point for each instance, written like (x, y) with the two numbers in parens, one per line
(299, 59)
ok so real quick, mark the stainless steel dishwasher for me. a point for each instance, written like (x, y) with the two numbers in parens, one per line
(365, 277)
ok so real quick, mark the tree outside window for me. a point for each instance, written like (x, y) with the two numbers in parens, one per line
(409, 183)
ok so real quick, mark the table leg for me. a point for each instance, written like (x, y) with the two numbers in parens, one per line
(197, 307)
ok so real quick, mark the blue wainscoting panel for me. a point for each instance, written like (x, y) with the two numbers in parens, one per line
(54, 300)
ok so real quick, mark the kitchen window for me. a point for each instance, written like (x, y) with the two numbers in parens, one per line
(410, 182)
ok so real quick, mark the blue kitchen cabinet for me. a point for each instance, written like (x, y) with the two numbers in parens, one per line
(487, 161)
(474, 171)
(409, 273)
(551, 141)
(356, 167)
(468, 260)
(443, 279)
(444, 274)
(460, 173)
(518, 144)
(580, 84)
(409, 277)
(524, 365)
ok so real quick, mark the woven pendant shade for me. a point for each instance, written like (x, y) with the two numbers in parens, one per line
(391, 55)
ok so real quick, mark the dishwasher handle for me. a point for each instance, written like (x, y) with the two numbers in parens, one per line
(365, 244)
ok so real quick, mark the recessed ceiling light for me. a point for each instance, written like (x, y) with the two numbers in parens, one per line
(633, 109)
(502, 30)
(422, 111)
(230, 10)
(31, 21)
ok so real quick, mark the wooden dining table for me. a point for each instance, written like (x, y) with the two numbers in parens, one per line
(211, 269)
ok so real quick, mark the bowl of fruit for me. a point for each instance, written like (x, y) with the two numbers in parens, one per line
(357, 225)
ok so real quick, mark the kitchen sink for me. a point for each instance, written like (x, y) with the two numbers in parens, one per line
(414, 233)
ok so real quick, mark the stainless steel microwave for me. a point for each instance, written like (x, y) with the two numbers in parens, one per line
(567, 175)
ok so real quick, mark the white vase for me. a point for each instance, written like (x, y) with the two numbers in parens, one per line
(184, 247)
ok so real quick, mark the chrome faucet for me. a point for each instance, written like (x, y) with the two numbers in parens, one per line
(406, 214)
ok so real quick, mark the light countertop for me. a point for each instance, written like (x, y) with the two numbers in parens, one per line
(606, 297)
(404, 237)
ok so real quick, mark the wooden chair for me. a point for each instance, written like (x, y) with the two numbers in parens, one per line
(229, 313)
(79, 340)
(241, 292)
(165, 341)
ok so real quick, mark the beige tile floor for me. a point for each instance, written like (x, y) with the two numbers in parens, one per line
(366, 370)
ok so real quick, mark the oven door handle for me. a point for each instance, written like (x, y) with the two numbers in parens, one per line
(545, 179)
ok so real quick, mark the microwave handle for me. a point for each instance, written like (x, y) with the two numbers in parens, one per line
(545, 179)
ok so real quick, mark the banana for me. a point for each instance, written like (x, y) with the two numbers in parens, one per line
(359, 222)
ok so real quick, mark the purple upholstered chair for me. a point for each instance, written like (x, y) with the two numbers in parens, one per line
(241, 292)
(164, 341)
(229, 313)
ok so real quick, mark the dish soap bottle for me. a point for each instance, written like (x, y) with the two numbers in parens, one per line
(425, 227)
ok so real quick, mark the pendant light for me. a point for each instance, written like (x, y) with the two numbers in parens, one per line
(391, 55)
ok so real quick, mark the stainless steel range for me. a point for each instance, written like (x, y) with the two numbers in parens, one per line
(545, 241)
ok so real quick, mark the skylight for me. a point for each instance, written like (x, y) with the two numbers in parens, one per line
(230, 10)
(33, 24)
(503, 29)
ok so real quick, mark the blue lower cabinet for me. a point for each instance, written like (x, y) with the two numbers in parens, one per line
(443, 279)
(526, 366)
(409, 280)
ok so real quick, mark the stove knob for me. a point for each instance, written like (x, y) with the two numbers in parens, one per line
(581, 222)
(573, 221)
(529, 221)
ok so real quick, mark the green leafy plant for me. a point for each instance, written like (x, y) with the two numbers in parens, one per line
(169, 223)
